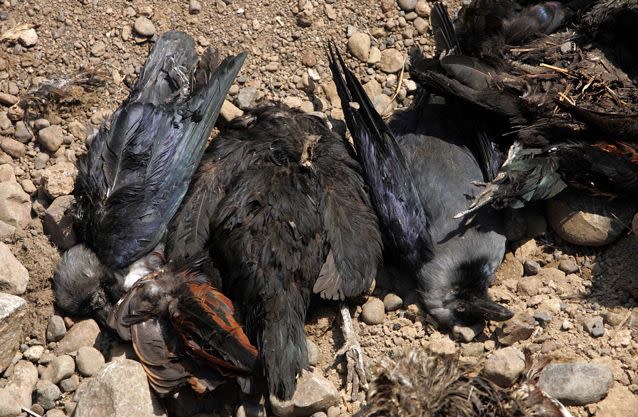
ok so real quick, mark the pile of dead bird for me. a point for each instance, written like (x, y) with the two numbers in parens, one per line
(206, 257)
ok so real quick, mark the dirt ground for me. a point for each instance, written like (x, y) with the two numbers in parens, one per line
(96, 34)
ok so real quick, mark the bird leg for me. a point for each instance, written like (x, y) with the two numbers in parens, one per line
(356, 377)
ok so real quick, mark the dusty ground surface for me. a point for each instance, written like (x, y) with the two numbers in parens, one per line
(286, 52)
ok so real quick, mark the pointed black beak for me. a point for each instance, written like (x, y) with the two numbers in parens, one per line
(484, 308)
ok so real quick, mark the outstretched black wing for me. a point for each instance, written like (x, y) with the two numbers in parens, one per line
(138, 168)
(393, 192)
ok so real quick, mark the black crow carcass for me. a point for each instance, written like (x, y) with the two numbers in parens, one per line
(280, 204)
(419, 169)
(137, 170)
(184, 331)
(566, 102)
(419, 384)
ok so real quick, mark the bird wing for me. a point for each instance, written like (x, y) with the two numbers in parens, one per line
(350, 225)
(443, 30)
(621, 127)
(206, 322)
(385, 169)
(137, 170)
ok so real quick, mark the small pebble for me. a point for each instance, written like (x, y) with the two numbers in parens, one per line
(407, 5)
(47, 393)
(373, 311)
(568, 266)
(144, 27)
(313, 352)
(194, 7)
(34, 353)
(70, 384)
(392, 302)
(531, 267)
(594, 326)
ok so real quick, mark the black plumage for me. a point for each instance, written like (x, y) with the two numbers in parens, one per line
(567, 99)
(280, 203)
(138, 167)
(419, 169)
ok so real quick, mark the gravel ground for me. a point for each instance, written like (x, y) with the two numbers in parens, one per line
(573, 304)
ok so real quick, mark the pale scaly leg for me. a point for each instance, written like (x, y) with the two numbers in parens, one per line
(356, 377)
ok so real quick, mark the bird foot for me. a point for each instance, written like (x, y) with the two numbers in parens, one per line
(356, 377)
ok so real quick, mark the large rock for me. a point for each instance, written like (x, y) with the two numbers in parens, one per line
(12, 312)
(22, 382)
(60, 368)
(9, 406)
(15, 204)
(14, 277)
(314, 393)
(83, 333)
(58, 222)
(505, 366)
(576, 383)
(59, 179)
(120, 389)
(620, 402)
(589, 221)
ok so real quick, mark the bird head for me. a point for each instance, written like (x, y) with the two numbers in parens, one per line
(459, 295)
(77, 283)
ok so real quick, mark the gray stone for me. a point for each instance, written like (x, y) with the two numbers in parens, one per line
(47, 393)
(40, 124)
(313, 352)
(55, 329)
(70, 384)
(12, 311)
(22, 382)
(14, 277)
(392, 302)
(60, 368)
(89, 360)
(594, 326)
(83, 333)
(28, 186)
(505, 366)
(144, 27)
(54, 412)
(33, 353)
(391, 61)
(59, 179)
(407, 5)
(373, 311)
(28, 38)
(247, 97)
(120, 389)
(374, 56)
(22, 133)
(7, 99)
(51, 137)
(77, 129)
(314, 393)
(9, 406)
(568, 266)
(576, 383)
(467, 333)
(58, 222)
(542, 316)
(359, 46)
(531, 267)
(520, 327)
(589, 221)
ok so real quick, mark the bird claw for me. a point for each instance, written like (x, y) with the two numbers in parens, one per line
(356, 377)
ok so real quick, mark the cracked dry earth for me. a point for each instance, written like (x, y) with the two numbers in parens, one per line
(573, 304)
